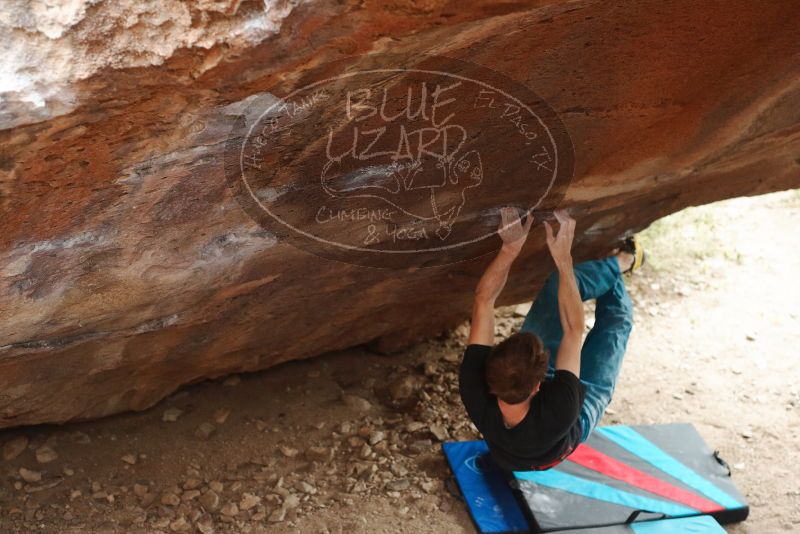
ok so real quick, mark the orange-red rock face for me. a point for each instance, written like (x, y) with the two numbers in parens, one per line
(129, 266)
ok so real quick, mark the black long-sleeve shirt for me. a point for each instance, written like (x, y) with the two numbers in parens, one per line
(550, 428)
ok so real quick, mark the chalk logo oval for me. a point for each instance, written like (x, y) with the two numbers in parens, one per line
(396, 161)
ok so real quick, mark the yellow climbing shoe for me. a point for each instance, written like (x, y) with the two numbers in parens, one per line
(634, 247)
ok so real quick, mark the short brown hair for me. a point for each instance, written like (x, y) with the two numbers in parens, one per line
(516, 366)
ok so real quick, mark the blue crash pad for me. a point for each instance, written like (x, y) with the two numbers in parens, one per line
(623, 479)
(491, 502)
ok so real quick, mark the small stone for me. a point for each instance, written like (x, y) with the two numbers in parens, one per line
(751, 337)
(210, 500)
(403, 392)
(140, 490)
(14, 447)
(205, 524)
(431, 369)
(398, 469)
(45, 454)
(171, 415)
(365, 451)
(356, 403)
(277, 515)
(291, 501)
(33, 488)
(233, 380)
(221, 415)
(364, 470)
(29, 475)
(376, 437)
(747, 434)
(129, 459)
(68, 472)
(398, 484)
(74, 494)
(415, 426)
(677, 396)
(230, 509)
(170, 499)
(216, 485)
(179, 525)
(451, 357)
(287, 451)
(428, 486)
(204, 431)
(260, 515)
(102, 496)
(249, 501)
(190, 495)
(738, 466)
(439, 432)
(307, 488)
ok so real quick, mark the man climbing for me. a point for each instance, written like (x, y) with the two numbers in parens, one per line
(540, 392)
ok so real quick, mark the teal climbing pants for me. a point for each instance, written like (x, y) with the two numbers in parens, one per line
(604, 347)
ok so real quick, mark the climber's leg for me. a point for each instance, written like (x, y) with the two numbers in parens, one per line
(603, 351)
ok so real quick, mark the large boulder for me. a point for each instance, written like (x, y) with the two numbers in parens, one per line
(135, 260)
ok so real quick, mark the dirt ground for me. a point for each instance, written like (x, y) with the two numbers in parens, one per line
(349, 442)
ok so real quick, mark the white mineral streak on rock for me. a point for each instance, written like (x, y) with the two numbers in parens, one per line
(50, 44)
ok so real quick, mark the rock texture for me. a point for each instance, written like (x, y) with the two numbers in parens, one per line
(129, 268)
(50, 45)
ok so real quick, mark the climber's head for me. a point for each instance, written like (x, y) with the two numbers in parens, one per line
(516, 367)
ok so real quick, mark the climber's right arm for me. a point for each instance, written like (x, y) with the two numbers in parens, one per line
(513, 233)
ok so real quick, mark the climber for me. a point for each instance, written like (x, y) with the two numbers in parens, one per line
(539, 393)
